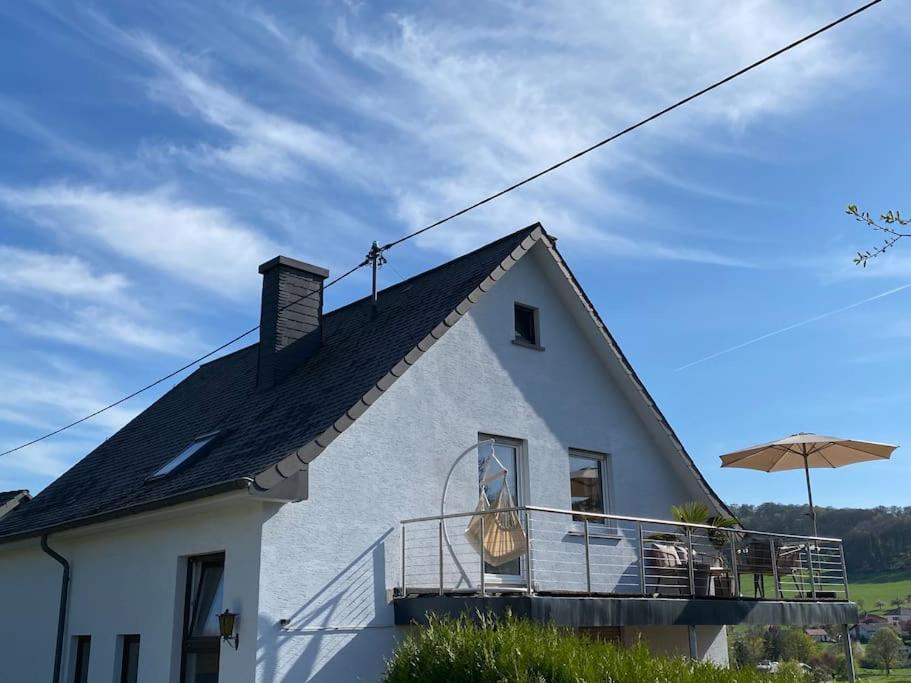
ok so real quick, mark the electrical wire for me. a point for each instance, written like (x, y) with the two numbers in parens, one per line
(178, 370)
(465, 210)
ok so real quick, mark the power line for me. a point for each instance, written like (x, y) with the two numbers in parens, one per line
(630, 129)
(178, 370)
(462, 212)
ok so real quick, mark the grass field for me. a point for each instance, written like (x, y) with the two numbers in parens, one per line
(871, 676)
(885, 587)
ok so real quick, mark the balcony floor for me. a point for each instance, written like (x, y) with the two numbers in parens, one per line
(629, 611)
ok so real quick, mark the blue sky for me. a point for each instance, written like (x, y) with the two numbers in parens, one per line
(151, 157)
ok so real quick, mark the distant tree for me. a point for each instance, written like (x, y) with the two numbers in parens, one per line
(897, 602)
(861, 606)
(880, 604)
(890, 224)
(886, 649)
(826, 665)
(748, 651)
(789, 644)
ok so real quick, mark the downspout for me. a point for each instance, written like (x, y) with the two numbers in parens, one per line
(64, 594)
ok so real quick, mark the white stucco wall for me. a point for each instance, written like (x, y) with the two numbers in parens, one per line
(128, 577)
(329, 562)
(711, 641)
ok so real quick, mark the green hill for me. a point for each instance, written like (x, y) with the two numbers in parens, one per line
(876, 540)
(869, 588)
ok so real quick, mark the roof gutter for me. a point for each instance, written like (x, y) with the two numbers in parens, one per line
(185, 496)
(64, 595)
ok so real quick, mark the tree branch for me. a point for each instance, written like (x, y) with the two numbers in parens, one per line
(889, 224)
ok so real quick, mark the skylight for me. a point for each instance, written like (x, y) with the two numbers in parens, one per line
(195, 447)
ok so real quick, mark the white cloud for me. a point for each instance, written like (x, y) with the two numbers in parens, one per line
(103, 329)
(265, 144)
(195, 243)
(61, 274)
(490, 99)
(56, 393)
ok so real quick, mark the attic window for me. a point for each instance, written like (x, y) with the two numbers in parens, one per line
(196, 447)
(526, 326)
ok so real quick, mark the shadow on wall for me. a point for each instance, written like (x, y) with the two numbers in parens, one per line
(340, 634)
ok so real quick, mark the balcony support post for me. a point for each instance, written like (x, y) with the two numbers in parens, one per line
(690, 563)
(812, 573)
(530, 584)
(402, 542)
(849, 653)
(440, 538)
(773, 558)
(694, 643)
(844, 570)
(588, 562)
(483, 560)
(735, 576)
(642, 560)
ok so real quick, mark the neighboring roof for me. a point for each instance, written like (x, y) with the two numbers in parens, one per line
(269, 436)
(7, 496)
(899, 611)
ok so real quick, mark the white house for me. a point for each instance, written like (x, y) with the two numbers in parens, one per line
(297, 484)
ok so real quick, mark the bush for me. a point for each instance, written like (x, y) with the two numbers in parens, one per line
(519, 651)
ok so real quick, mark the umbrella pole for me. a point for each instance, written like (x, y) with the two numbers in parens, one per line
(806, 470)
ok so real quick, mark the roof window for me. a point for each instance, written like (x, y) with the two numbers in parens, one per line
(196, 447)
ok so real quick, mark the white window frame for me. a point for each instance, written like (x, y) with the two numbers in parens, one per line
(522, 483)
(603, 526)
(536, 326)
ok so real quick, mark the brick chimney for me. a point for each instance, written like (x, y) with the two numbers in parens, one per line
(290, 327)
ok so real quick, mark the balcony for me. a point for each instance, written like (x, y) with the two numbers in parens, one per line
(618, 570)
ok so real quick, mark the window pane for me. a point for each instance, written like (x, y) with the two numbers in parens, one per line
(208, 600)
(83, 651)
(493, 459)
(586, 485)
(525, 324)
(201, 667)
(129, 670)
(181, 457)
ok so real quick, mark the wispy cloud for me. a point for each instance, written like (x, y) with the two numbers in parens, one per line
(42, 462)
(102, 329)
(27, 270)
(195, 243)
(794, 326)
(264, 143)
(58, 391)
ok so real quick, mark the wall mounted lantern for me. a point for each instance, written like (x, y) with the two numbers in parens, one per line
(227, 622)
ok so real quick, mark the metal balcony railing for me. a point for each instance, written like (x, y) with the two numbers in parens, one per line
(573, 553)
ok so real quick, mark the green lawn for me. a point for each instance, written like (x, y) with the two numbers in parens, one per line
(886, 586)
(872, 676)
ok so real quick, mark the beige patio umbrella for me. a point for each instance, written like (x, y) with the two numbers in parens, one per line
(803, 451)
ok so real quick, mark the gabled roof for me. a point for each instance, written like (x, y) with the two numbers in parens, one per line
(268, 437)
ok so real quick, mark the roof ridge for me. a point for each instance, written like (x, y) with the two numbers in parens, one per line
(499, 240)
(402, 283)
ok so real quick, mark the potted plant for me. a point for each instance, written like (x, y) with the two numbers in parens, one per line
(696, 512)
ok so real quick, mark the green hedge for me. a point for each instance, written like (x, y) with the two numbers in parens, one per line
(518, 651)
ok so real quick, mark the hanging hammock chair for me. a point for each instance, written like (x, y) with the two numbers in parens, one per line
(504, 538)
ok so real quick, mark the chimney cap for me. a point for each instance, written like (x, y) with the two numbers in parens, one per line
(293, 263)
